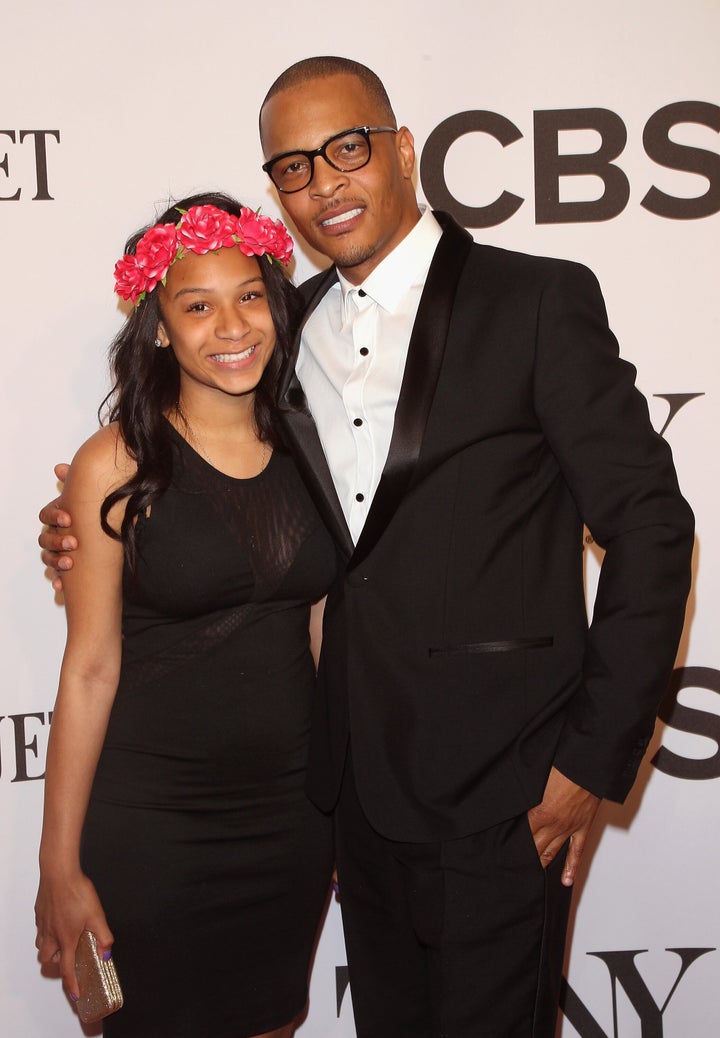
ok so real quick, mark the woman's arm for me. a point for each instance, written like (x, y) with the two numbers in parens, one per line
(316, 622)
(67, 902)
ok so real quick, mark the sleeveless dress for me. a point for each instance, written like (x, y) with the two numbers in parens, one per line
(211, 864)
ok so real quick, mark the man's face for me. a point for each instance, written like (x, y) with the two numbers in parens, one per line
(354, 218)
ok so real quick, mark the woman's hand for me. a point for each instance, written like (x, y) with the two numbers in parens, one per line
(65, 906)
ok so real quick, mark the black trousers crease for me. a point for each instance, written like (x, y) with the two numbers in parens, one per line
(454, 939)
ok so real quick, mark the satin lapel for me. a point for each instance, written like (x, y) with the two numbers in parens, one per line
(313, 291)
(422, 369)
(302, 435)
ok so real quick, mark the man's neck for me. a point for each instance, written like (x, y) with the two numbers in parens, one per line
(358, 273)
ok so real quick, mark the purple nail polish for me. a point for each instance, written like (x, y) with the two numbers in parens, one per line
(336, 888)
(74, 997)
(107, 956)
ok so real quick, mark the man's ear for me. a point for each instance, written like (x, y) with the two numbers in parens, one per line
(405, 144)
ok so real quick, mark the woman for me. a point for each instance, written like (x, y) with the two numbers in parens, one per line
(176, 826)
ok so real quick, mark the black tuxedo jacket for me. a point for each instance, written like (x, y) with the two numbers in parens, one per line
(457, 655)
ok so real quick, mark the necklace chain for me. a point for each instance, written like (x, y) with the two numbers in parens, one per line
(197, 443)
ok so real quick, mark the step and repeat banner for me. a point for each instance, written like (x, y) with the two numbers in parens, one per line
(564, 128)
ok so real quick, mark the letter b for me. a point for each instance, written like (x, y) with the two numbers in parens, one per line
(550, 165)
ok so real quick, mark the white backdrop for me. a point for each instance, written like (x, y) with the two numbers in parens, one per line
(140, 101)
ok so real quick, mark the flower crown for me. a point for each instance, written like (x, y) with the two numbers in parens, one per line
(202, 229)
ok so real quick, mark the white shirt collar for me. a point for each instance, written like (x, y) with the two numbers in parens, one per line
(406, 265)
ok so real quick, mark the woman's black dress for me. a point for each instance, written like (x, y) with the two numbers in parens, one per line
(211, 864)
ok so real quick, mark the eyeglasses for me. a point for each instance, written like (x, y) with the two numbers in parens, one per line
(346, 152)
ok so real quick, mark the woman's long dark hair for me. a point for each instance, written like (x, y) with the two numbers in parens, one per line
(146, 382)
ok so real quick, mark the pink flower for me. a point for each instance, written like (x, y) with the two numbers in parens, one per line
(204, 228)
(156, 250)
(260, 235)
(130, 278)
(139, 273)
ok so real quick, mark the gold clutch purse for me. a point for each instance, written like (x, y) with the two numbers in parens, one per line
(100, 993)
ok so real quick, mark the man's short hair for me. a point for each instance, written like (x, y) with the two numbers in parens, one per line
(321, 67)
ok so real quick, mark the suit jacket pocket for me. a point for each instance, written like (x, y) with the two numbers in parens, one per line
(478, 648)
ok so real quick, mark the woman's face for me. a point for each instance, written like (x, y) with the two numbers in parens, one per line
(216, 317)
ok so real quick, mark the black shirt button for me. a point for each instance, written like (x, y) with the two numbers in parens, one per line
(357, 421)
(364, 351)
(359, 497)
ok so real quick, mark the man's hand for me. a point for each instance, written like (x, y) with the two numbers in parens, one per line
(566, 812)
(53, 539)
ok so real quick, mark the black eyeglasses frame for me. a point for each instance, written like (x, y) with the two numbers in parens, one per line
(322, 150)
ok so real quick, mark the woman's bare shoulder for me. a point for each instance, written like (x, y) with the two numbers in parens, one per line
(101, 463)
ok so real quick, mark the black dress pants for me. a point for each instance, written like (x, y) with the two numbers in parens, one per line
(455, 939)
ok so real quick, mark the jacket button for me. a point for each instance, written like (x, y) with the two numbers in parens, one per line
(356, 579)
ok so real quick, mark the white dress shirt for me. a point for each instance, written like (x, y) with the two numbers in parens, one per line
(351, 363)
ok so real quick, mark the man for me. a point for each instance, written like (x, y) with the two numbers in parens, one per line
(469, 411)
